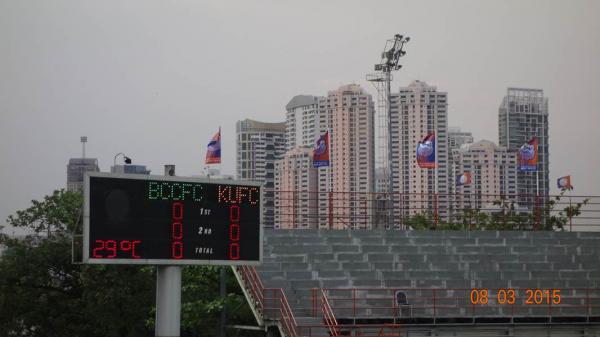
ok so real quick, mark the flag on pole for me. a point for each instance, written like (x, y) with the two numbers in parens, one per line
(321, 151)
(426, 152)
(528, 156)
(564, 183)
(213, 153)
(463, 179)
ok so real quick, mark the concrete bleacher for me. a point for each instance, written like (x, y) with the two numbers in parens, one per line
(428, 264)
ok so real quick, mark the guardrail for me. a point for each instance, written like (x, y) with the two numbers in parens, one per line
(355, 210)
(407, 305)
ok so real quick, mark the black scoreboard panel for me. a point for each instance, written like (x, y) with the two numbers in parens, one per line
(134, 219)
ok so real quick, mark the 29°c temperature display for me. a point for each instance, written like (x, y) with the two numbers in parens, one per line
(135, 219)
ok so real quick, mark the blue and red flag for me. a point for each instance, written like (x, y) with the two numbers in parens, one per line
(528, 156)
(213, 153)
(426, 151)
(463, 179)
(564, 183)
(321, 151)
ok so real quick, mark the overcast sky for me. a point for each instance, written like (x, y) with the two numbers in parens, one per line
(155, 79)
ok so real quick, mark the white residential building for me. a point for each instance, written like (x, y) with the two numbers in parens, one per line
(417, 110)
(296, 190)
(259, 145)
(493, 175)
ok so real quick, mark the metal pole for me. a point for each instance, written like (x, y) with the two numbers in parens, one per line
(223, 293)
(537, 195)
(168, 294)
(388, 80)
(168, 301)
(570, 213)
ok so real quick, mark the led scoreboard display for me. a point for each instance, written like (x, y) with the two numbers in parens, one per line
(142, 219)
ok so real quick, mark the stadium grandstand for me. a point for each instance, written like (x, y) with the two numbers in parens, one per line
(426, 283)
(504, 269)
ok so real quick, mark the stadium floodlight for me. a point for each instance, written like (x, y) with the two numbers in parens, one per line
(389, 62)
(126, 159)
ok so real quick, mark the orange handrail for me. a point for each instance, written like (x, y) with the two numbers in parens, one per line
(328, 316)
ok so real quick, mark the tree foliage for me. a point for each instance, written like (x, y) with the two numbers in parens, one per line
(42, 293)
(547, 216)
(60, 212)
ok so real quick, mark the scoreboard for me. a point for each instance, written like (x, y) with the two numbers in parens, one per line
(161, 220)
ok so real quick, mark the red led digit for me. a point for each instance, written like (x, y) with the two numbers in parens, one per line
(133, 243)
(99, 246)
(111, 246)
(234, 213)
(234, 232)
(177, 230)
(177, 211)
(234, 251)
(177, 250)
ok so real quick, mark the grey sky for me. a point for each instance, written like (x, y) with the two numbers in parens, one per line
(155, 79)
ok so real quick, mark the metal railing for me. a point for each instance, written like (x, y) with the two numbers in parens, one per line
(273, 305)
(357, 210)
(278, 309)
(359, 305)
(328, 316)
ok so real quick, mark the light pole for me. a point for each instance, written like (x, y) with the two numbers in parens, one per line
(382, 79)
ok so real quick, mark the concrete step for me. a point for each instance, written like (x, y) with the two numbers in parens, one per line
(272, 275)
(300, 249)
(325, 266)
(269, 266)
(320, 257)
(367, 283)
(336, 283)
(356, 266)
(295, 266)
(350, 257)
(300, 275)
(332, 274)
(286, 258)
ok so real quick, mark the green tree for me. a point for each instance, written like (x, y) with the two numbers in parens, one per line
(555, 218)
(421, 221)
(201, 303)
(509, 218)
(42, 293)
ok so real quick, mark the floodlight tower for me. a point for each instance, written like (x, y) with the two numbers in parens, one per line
(390, 57)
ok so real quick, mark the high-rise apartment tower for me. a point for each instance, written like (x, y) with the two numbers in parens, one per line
(523, 114)
(259, 145)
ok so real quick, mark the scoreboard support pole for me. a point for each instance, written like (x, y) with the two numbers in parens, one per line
(168, 294)
(168, 301)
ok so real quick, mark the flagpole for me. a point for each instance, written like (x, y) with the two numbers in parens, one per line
(537, 177)
(221, 151)
(435, 185)
(570, 212)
